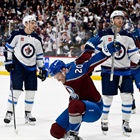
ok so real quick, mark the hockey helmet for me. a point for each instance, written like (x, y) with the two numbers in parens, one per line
(28, 18)
(56, 67)
(116, 13)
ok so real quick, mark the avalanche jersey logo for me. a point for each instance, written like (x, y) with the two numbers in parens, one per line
(120, 54)
(72, 93)
(28, 50)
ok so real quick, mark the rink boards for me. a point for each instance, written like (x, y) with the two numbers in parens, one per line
(48, 61)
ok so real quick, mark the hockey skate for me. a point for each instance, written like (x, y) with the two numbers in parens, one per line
(29, 119)
(73, 136)
(8, 117)
(104, 126)
(126, 129)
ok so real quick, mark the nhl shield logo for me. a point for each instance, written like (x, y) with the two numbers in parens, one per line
(28, 50)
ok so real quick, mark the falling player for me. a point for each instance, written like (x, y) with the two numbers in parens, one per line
(85, 101)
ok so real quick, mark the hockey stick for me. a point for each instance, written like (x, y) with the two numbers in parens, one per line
(11, 88)
(114, 27)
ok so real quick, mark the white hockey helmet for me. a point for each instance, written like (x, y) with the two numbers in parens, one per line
(28, 18)
(116, 13)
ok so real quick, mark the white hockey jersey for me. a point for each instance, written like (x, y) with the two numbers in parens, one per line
(128, 52)
(26, 48)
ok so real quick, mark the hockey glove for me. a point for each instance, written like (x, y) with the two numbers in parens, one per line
(9, 66)
(42, 74)
(111, 48)
(93, 42)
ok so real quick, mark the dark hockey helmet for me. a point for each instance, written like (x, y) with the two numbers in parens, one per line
(56, 67)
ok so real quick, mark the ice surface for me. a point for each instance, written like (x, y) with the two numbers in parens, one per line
(51, 99)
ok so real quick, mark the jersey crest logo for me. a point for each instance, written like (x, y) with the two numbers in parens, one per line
(72, 93)
(120, 54)
(28, 50)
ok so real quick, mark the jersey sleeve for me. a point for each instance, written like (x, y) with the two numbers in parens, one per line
(86, 55)
(39, 54)
(133, 52)
(10, 44)
(88, 66)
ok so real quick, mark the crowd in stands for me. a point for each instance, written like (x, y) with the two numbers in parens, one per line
(65, 25)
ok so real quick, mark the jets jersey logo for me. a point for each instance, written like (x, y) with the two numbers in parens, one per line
(120, 54)
(28, 50)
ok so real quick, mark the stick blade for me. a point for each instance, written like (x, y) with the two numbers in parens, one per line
(16, 131)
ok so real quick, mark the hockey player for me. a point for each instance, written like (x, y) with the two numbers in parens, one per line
(23, 55)
(122, 78)
(136, 68)
(85, 101)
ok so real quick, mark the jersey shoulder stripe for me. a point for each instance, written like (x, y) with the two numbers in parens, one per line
(21, 32)
(110, 32)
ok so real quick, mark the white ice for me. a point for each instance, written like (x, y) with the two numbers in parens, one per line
(51, 99)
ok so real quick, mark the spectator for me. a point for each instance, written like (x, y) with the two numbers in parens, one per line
(48, 46)
(65, 14)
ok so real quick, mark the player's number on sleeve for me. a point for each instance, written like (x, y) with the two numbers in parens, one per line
(78, 69)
